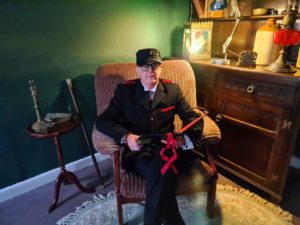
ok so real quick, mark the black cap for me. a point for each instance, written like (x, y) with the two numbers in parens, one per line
(147, 55)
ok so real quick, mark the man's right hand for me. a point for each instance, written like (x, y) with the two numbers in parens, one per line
(131, 141)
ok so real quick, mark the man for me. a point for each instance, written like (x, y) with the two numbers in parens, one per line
(148, 106)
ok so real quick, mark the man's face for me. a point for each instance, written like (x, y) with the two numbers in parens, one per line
(149, 74)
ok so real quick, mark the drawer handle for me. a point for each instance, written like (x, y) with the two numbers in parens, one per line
(287, 124)
(218, 117)
(250, 88)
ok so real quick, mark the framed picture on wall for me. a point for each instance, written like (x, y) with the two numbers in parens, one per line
(212, 14)
(197, 41)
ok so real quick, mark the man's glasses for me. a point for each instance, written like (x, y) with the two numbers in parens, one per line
(154, 66)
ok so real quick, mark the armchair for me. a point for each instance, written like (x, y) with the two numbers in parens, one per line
(130, 187)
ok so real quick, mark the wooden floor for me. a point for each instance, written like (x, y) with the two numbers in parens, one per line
(31, 207)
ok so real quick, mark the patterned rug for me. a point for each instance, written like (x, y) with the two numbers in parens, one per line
(233, 207)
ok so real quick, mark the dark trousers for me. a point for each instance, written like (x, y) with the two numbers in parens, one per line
(161, 204)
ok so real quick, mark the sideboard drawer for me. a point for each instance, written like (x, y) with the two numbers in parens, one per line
(258, 88)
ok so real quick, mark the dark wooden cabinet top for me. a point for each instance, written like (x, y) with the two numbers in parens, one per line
(257, 72)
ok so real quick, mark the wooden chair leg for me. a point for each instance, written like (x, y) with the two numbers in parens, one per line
(211, 198)
(120, 211)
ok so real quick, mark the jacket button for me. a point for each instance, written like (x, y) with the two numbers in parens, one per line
(152, 118)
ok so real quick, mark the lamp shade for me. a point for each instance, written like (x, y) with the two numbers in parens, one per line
(218, 5)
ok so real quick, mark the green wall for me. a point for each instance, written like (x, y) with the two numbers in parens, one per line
(49, 41)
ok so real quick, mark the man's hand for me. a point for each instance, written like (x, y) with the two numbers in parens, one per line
(180, 141)
(131, 141)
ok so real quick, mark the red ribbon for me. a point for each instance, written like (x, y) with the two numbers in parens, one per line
(171, 143)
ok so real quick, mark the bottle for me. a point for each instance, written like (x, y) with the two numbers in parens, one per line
(298, 59)
(266, 50)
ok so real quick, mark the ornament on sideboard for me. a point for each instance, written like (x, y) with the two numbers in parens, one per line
(247, 59)
(285, 37)
(40, 126)
(197, 39)
(235, 12)
(290, 12)
(267, 50)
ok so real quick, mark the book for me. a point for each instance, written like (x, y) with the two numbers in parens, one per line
(57, 118)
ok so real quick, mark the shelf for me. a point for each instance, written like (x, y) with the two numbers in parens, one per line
(243, 18)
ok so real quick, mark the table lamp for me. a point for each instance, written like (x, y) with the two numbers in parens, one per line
(285, 37)
(220, 5)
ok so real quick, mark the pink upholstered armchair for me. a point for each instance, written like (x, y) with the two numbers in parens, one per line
(130, 187)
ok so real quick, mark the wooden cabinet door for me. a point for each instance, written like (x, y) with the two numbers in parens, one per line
(253, 123)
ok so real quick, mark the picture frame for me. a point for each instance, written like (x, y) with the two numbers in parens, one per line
(197, 40)
(212, 14)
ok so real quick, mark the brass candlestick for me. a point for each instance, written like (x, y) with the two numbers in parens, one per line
(40, 126)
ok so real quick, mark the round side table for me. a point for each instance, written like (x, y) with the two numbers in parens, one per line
(64, 176)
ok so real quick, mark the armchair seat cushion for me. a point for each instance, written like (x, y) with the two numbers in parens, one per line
(133, 186)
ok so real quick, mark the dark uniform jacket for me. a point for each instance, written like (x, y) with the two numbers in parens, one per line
(129, 111)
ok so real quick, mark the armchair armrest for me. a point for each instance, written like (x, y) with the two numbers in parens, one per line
(210, 159)
(206, 156)
(117, 173)
(103, 143)
(211, 135)
(211, 132)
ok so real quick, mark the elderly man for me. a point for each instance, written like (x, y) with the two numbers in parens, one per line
(147, 106)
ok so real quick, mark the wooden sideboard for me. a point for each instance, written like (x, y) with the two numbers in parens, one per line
(259, 116)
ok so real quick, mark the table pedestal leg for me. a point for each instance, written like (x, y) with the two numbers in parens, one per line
(59, 180)
(74, 180)
(65, 176)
